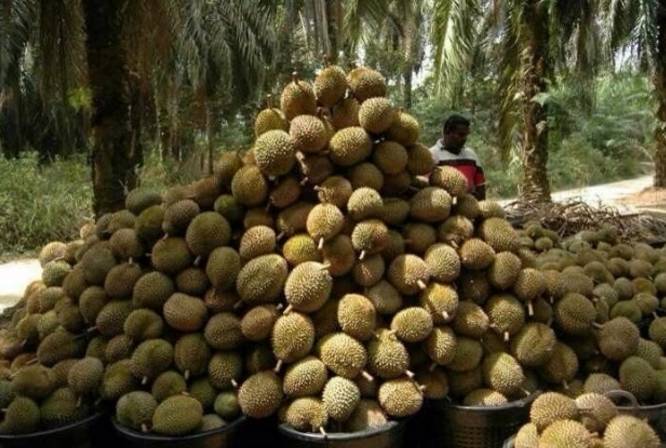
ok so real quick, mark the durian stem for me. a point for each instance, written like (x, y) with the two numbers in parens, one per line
(131, 260)
(294, 76)
(300, 156)
(320, 246)
(367, 376)
(421, 284)
(323, 431)
(410, 374)
(269, 101)
(506, 336)
(268, 206)
(79, 402)
(144, 380)
(279, 306)
(280, 236)
(144, 427)
(234, 383)
(305, 180)
(278, 366)
(288, 309)
(238, 304)
(186, 375)
(31, 362)
(326, 266)
(317, 188)
(432, 367)
(597, 325)
(446, 315)
(362, 255)
(530, 309)
(197, 261)
(565, 384)
(526, 392)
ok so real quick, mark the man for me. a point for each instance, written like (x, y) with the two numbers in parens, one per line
(450, 150)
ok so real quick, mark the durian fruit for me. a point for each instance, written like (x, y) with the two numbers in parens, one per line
(223, 331)
(630, 432)
(501, 372)
(340, 397)
(177, 415)
(330, 86)
(150, 359)
(598, 410)
(441, 301)
(293, 337)
(168, 384)
(366, 83)
(191, 355)
(566, 433)
(391, 157)
(308, 135)
(261, 279)
(484, 397)
(343, 355)
(475, 254)
(135, 410)
(504, 270)
(468, 355)
(400, 397)
(377, 114)
(470, 320)
(431, 204)
(367, 415)
(298, 98)
(21, 417)
(225, 369)
(85, 376)
(550, 407)
(506, 315)
(450, 179)
(357, 316)
(527, 436)
(350, 146)
(270, 119)
(344, 114)
(306, 414)
(365, 203)
(575, 314)
(386, 299)
(306, 377)
(618, 339)
(637, 376)
(405, 129)
(260, 395)
(534, 344)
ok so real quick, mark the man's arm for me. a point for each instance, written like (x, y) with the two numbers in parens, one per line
(480, 184)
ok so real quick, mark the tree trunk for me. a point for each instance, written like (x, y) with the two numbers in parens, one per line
(535, 186)
(409, 39)
(335, 24)
(659, 79)
(112, 170)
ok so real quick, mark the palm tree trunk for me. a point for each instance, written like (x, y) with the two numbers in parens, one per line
(535, 186)
(659, 79)
(112, 171)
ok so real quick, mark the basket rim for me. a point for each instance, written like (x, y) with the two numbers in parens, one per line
(503, 407)
(50, 432)
(646, 407)
(160, 438)
(340, 436)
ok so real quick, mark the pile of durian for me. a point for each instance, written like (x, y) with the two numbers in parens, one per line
(591, 420)
(331, 275)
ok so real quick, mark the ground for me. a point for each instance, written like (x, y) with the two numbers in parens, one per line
(628, 195)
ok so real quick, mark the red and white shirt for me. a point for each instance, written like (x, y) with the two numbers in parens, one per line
(467, 162)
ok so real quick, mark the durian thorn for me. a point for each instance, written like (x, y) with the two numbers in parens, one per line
(144, 380)
(421, 284)
(144, 427)
(362, 255)
(530, 309)
(506, 336)
(186, 375)
(410, 374)
(288, 309)
(597, 325)
(234, 383)
(323, 431)
(197, 261)
(278, 366)
(367, 376)
(446, 315)
(320, 246)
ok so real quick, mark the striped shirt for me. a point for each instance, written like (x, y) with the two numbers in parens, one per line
(467, 162)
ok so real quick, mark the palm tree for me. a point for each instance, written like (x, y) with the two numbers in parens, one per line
(526, 42)
(640, 25)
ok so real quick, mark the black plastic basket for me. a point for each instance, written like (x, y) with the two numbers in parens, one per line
(654, 414)
(456, 426)
(217, 438)
(390, 435)
(82, 434)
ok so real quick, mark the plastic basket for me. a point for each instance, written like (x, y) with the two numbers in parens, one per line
(456, 426)
(390, 435)
(216, 438)
(82, 434)
(654, 414)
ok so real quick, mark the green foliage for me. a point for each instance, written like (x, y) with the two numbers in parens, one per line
(41, 203)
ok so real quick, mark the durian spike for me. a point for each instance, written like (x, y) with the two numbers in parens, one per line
(320, 246)
(278, 366)
(446, 315)
(234, 383)
(530, 309)
(367, 376)
(362, 255)
(144, 380)
(421, 284)
(506, 336)
(144, 427)
(288, 309)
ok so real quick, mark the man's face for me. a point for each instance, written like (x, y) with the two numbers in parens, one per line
(456, 138)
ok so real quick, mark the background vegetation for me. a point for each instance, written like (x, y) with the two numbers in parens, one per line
(196, 73)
